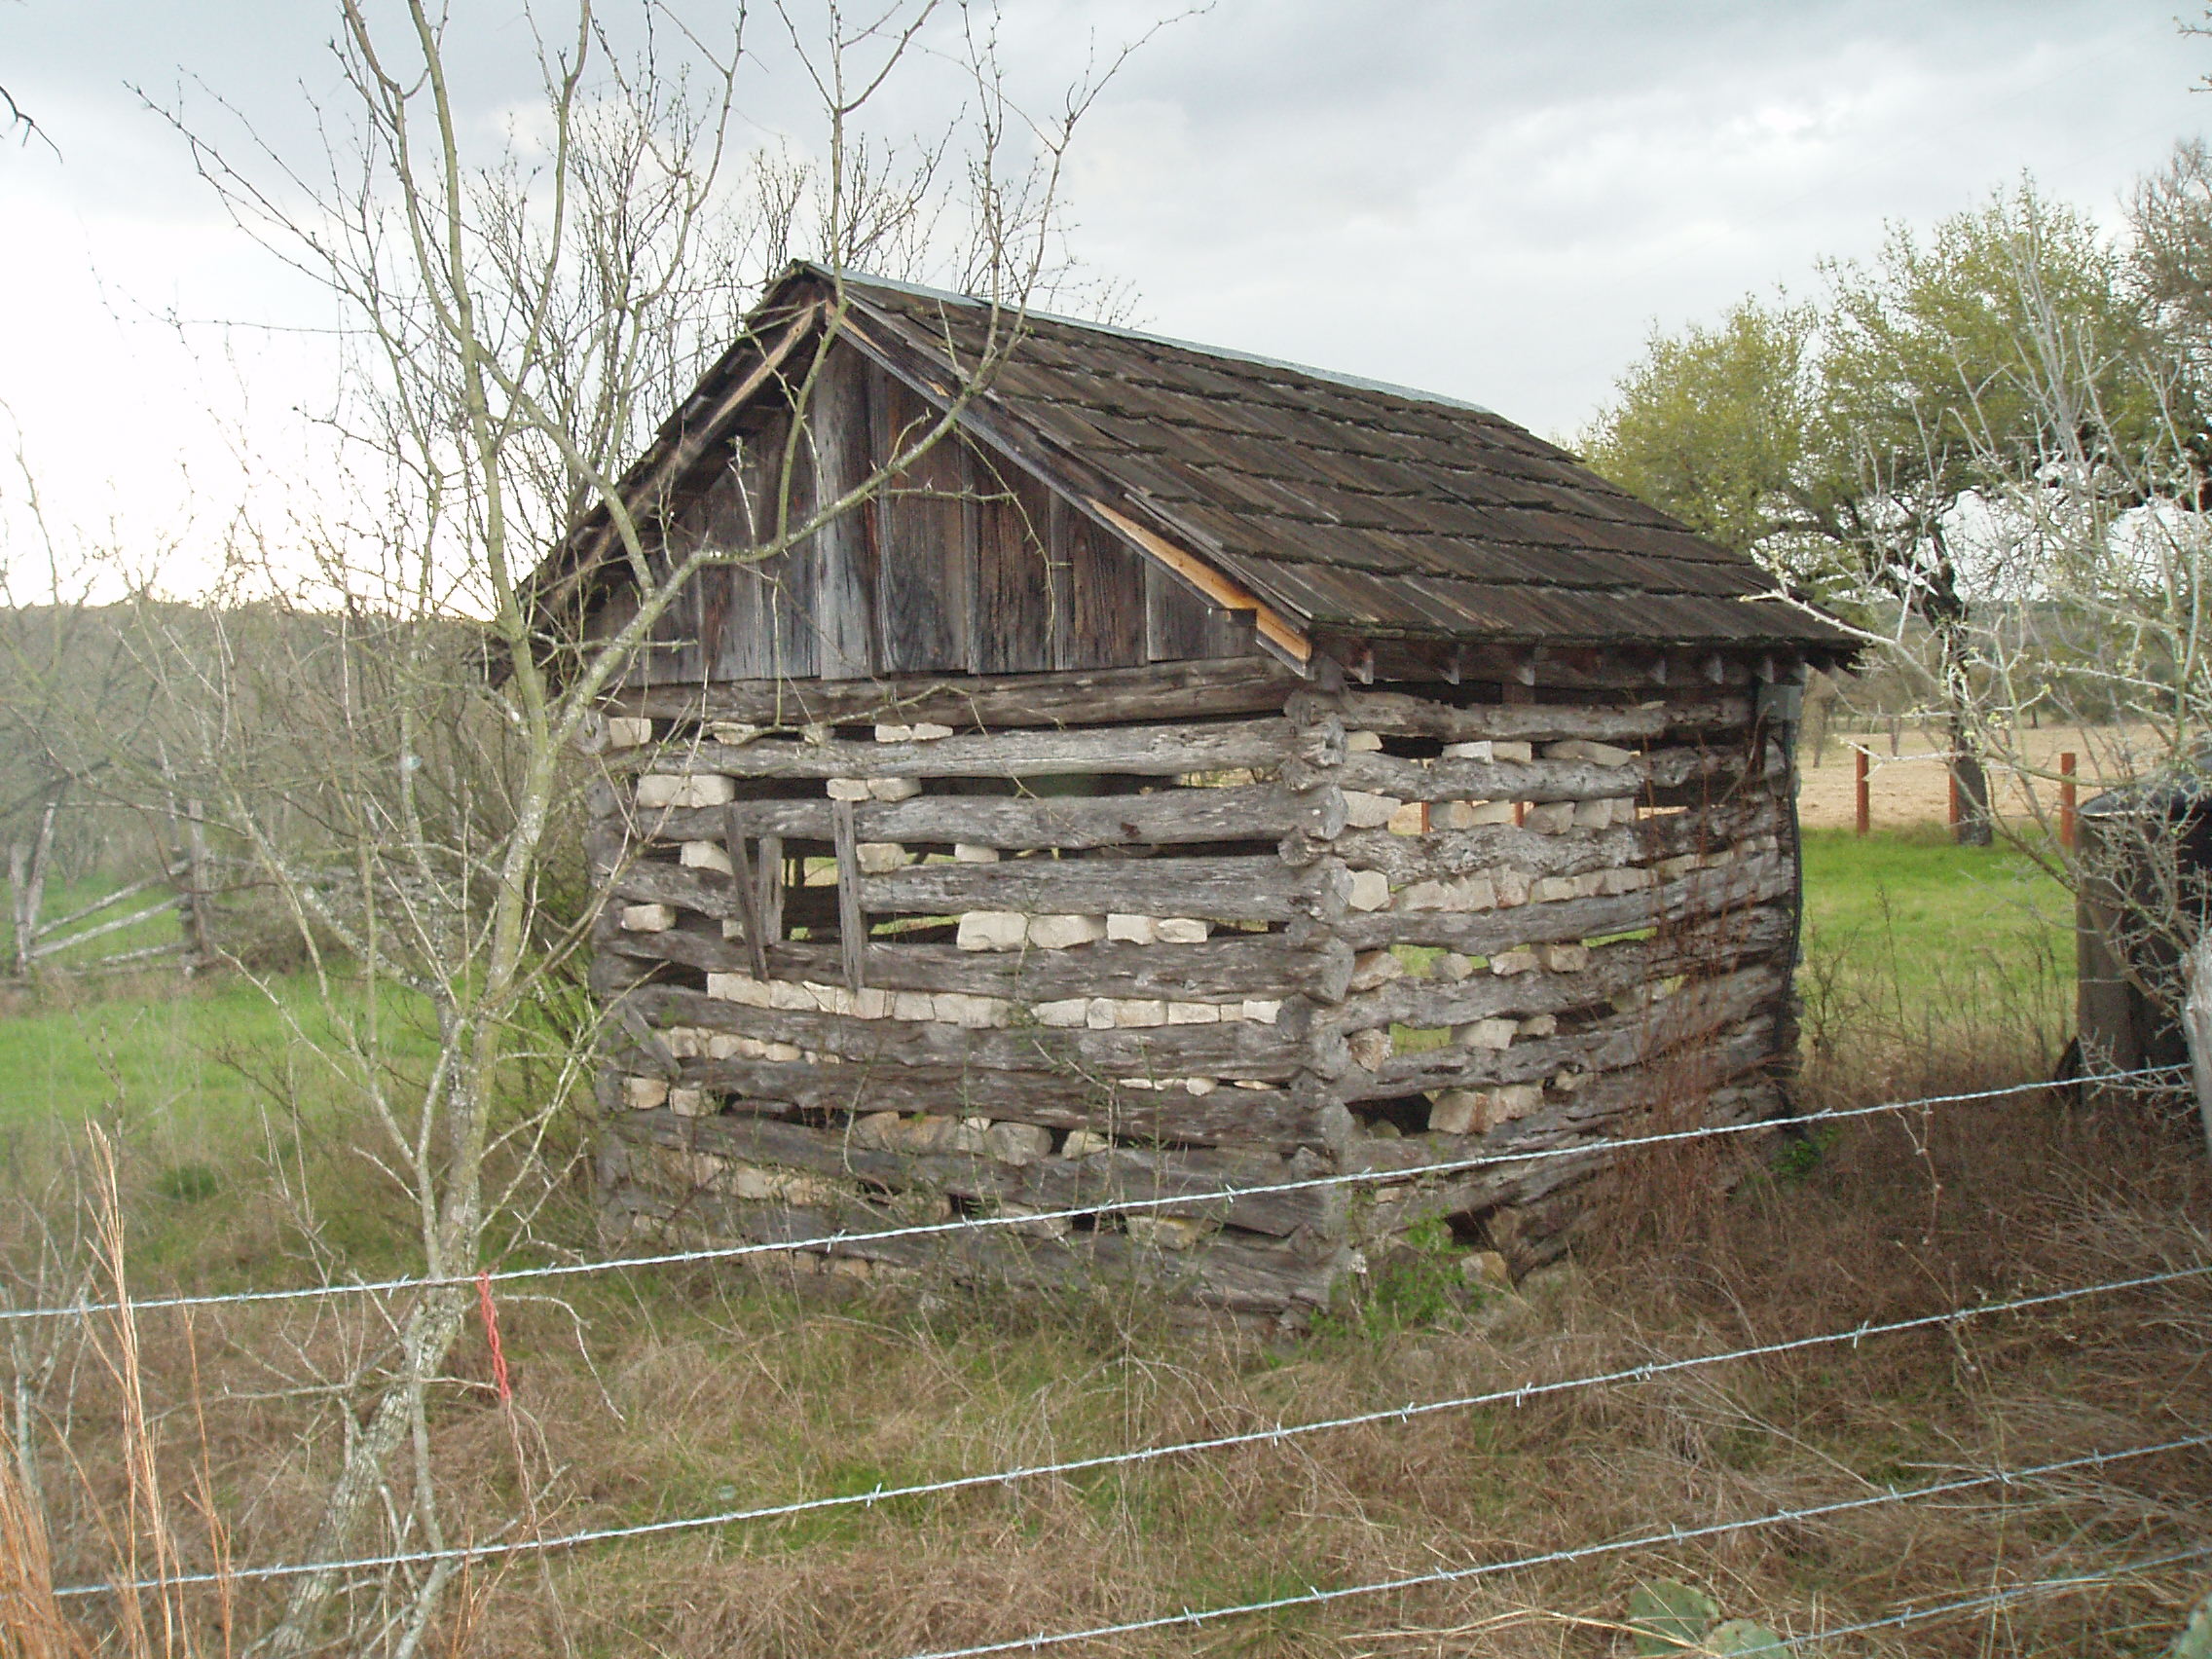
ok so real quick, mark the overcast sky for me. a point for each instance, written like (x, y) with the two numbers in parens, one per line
(1493, 200)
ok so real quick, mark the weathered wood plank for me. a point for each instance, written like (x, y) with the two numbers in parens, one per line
(1229, 967)
(1018, 590)
(1261, 889)
(926, 535)
(1484, 933)
(1206, 1177)
(1446, 853)
(1106, 620)
(1156, 751)
(844, 549)
(1240, 1049)
(1394, 713)
(1237, 685)
(1521, 780)
(1167, 817)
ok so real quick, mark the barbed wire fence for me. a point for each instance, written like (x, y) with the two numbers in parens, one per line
(1278, 1433)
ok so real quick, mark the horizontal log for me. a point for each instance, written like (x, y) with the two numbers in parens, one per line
(1233, 1272)
(1239, 1049)
(1277, 1119)
(1261, 889)
(1485, 933)
(1429, 1004)
(1394, 713)
(1695, 1012)
(1521, 779)
(1096, 697)
(1446, 853)
(1205, 1177)
(1163, 818)
(1147, 751)
(710, 893)
(1229, 967)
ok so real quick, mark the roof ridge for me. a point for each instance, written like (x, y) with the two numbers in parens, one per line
(1359, 383)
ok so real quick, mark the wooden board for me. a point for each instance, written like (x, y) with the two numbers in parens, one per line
(1018, 590)
(925, 532)
(1105, 622)
(844, 552)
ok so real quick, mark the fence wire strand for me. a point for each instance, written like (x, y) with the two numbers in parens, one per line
(979, 1223)
(1279, 1434)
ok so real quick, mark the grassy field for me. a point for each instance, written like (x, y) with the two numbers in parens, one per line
(677, 1391)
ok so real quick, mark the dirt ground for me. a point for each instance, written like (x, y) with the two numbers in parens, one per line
(1912, 787)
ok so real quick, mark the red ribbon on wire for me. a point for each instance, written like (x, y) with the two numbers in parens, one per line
(492, 1335)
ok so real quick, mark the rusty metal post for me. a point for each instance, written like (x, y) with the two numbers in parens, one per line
(1864, 818)
(2067, 800)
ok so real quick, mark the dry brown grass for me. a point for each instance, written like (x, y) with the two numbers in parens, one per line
(683, 1393)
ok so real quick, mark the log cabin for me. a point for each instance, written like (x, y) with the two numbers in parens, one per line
(1191, 773)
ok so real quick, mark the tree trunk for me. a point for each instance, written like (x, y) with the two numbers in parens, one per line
(2197, 1024)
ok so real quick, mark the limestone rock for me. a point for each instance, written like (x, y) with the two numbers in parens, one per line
(1411, 819)
(1563, 958)
(1519, 960)
(645, 1093)
(626, 731)
(965, 852)
(705, 855)
(912, 1005)
(1082, 1143)
(647, 919)
(993, 929)
(879, 1130)
(1132, 930)
(1182, 929)
(1370, 1049)
(1068, 1011)
(1137, 1013)
(1194, 1013)
(848, 789)
(1370, 890)
(1363, 742)
(689, 1103)
(894, 789)
(1062, 933)
(1549, 818)
(1375, 968)
(928, 731)
(1480, 749)
(686, 789)
(1486, 1034)
(1539, 1025)
(1017, 1144)
(1168, 1232)
(1453, 966)
(880, 858)
(1582, 748)
(1504, 750)
(736, 734)
(1365, 811)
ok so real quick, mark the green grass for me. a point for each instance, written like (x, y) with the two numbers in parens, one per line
(64, 900)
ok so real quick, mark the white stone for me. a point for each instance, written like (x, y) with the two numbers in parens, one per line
(877, 1129)
(1019, 1144)
(869, 1002)
(972, 1012)
(928, 731)
(1568, 1081)
(689, 1103)
(1136, 1014)
(880, 858)
(1451, 814)
(727, 1045)
(967, 852)
(1582, 748)
(912, 1005)
(705, 855)
(1230, 1012)
(1424, 896)
(645, 1093)
(1512, 886)
(894, 789)
(1472, 1111)
(737, 988)
(1485, 1034)
(1365, 811)
(1254, 1084)
(1098, 1014)
(1564, 958)
(1194, 1013)
(927, 1131)
(1371, 968)
(1549, 818)
(1479, 750)
(1516, 961)
(1674, 868)
(1069, 1011)
(735, 733)
(1182, 929)
(785, 994)
(972, 1134)
(627, 731)
(1262, 1010)
(848, 789)
(1592, 814)
(1484, 812)
(689, 789)
(1411, 819)
(1200, 1084)
(1062, 933)
(1132, 930)
(1370, 890)
(647, 919)
(784, 1052)
(1082, 1143)
(1168, 1232)
(993, 929)
(1502, 750)
(1589, 884)
(1363, 742)
(1547, 888)
(685, 1042)
(1539, 1025)
(894, 734)
(1370, 1049)
(1453, 966)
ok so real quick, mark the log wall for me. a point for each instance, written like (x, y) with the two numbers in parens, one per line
(1179, 933)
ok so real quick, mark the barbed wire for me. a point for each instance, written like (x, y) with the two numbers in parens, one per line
(2000, 1598)
(1553, 1557)
(1518, 1395)
(1033, 1218)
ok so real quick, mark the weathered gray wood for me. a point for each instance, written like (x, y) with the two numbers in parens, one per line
(1233, 1272)
(1523, 780)
(1229, 967)
(1175, 690)
(1151, 750)
(747, 894)
(1208, 1178)
(1277, 1119)
(1260, 889)
(852, 925)
(1483, 933)
(926, 534)
(1693, 1013)
(771, 890)
(1164, 817)
(1397, 715)
(1240, 1049)
(1444, 853)
(2197, 1027)
(1429, 1004)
